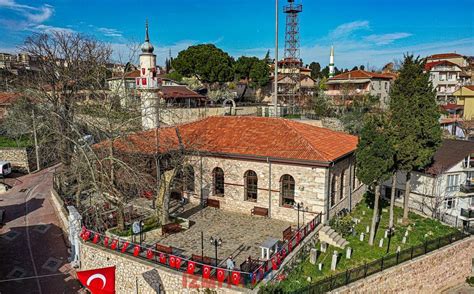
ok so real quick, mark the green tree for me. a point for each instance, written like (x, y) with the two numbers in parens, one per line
(415, 117)
(206, 62)
(374, 159)
(355, 68)
(325, 72)
(315, 70)
(243, 66)
(175, 76)
(260, 74)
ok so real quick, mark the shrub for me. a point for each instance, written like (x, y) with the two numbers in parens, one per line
(342, 225)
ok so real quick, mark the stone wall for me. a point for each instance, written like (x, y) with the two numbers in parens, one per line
(132, 273)
(430, 273)
(173, 116)
(21, 158)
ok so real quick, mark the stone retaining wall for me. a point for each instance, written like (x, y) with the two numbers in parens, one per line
(22, 159)
(430, 273)
(132, 273)
(173, 116)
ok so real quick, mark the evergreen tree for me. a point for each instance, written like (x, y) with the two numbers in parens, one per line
(315, 70)
(355, 68)
(415, 117)
(374, 159)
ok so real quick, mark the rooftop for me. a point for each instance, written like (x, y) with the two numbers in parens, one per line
(250, 137)
(450, 153)
(431, 65)
(362, 74)
(444, 55)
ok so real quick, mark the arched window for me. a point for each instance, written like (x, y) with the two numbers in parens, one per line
(218, 181)
(251, 185)
(333, 190)
(287, 190)
(188, 180)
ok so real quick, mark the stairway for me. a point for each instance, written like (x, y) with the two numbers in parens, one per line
(328, 235)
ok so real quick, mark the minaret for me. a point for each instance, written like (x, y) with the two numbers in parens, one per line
(331, 63)
(148, 84)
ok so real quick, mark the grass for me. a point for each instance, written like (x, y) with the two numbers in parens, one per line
(22, 142)
(149, 224)
(420, 229)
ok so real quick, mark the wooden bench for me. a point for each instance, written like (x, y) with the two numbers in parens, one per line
(287, 234)
(259, 211)
(170, 229)
(213, 203)
(164, 249)
(202, 259)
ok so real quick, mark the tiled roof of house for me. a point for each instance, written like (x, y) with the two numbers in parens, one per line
(444, 55)
(430, 65)
(8, 98)
(450, 153)
(174, 92)
(362, 74)
(248, 137)
(470, 87)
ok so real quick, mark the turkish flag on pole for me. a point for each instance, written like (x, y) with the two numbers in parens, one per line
(98, 281)
(191, 267)
(235, 278)
(206, 272)
(220, 275)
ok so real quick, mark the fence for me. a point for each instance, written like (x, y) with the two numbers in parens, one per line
(355, 274)
(188, 266)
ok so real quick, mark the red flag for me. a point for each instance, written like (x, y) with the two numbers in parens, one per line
(106, 241)
(220, 275)
(178, 262)
(162, 258)
(172, 261)
(83, 230)
(311, 225)
(298, 237)
(149, 254)
(114, 244)
(253, 278)
(274, 263)
(86, 235)
(125, 246)
(136, 250)
(96, 239)
(235, 278)
(98, 281)
(191, 267)
(283, 253)
(290, 246)
(206, 271)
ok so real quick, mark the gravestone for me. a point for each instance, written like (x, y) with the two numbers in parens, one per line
(348, 253)
(361, 238)
(386, 234)
(367, 229)
(404, 240)
(334, 261)
(320, 266)
(381, 242)
(313, 255)
(406, 233)
(363, 212)
(324, 246)
(399, 220)
(399, 249)
(354, 232)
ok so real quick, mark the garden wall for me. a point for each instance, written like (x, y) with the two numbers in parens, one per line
(22, 159)
(430, 273)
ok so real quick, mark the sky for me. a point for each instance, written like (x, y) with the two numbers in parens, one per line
(368, 32)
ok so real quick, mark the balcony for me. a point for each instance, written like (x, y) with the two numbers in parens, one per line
(467, 213)
(467, 187)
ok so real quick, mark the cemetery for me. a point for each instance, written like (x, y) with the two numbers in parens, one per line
(325, 261)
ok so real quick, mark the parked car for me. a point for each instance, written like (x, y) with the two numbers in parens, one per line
(5, 168)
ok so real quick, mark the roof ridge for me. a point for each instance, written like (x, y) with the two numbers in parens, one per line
(292, 128)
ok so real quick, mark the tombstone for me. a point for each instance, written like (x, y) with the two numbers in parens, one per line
(324, 246)
(399, 220)
(361, 237)
(404, 240)
(313, 255)
(354, 232)
(399, 249)
(381, 242)
(334, 261)
(385, 234)
(406, 233)
(320, 266)
(348, 253)
(308, 279)
(367, 229)
(363, 212)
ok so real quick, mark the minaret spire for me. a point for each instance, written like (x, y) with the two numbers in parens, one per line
(147, 37)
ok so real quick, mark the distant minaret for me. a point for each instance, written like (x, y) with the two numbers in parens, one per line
(331, 63)
(148, 84)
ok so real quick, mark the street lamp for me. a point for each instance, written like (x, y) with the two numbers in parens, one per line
(300, 207)
(216, 242)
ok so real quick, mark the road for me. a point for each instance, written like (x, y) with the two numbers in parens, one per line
(33, 251)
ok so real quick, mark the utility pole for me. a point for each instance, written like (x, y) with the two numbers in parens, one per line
(38, 167)
(275, 94)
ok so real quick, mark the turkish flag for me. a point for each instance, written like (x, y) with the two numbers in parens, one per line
(178, 262)
(162, 258)
(253, 278)
(98, 281)
(114, 244)
(220, 275)
(206, 271)
(235, 278)
(125, 246)
(311, 225)
(290, 246)
(106, 241)
(136, 250)
(172, 261)
(191, 267)
(96, 239)
(86, 235)
(149, 254)
(298, 237)
(274, 263)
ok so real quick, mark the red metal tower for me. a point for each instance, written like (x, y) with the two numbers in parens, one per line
(292, 63)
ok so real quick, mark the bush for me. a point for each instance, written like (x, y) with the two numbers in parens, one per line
(342, 225)
(470, 281)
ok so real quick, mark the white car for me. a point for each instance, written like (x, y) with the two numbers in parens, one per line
(5, 168)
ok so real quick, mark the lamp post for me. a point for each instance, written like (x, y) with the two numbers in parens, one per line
(300, 206)
(142, 224)
(216, 242)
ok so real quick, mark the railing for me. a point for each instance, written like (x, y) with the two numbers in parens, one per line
(467, 213)
(361, 272)
(467, 187)
(194, 269)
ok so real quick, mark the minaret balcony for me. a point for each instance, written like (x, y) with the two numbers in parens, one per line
(148, 83)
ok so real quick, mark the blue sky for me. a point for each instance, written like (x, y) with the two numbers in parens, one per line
(365, 32)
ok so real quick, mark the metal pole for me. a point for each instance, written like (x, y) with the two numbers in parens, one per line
(298, 207)
(215, 245)
(269, 188)
(275, 94)
(202, 244)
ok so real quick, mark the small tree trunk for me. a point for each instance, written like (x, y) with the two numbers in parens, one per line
(375, 216)
(407, 197)
(392, 200)
(120, 218)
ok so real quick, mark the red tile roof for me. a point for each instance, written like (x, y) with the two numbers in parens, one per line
(430, 65)
(362, 74)
(470, 87)
(175, 92)
(444, 55)
(8, 98)
(246, 136)
(452, 106)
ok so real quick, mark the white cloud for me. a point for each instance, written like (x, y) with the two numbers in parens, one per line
(386, 39)
(31, 14)
(50, 29)
(108, 32)
(346, 29)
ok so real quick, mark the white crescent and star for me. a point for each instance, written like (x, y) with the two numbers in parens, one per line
(97, 276)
